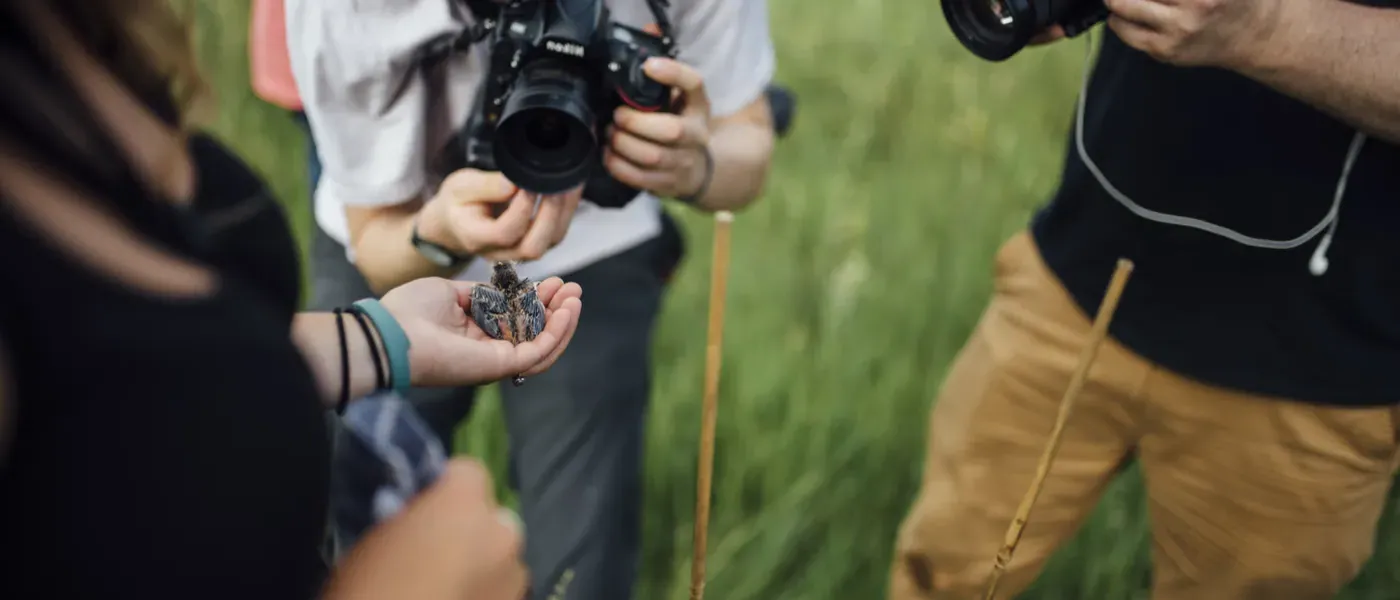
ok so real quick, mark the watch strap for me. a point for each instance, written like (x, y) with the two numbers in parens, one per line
(435, 252)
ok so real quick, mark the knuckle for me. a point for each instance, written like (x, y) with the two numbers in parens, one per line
(494, 238)
(464, 180)
(657, 157)
(501, 241)
(675, 132)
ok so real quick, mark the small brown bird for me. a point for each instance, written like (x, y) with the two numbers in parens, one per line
(508, 308)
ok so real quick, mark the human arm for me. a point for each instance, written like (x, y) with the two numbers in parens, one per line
(316, 335)
(1340, 58)
(460, 219)
(726, 62)
(742, 146)
(1335, 55)
(446, 348)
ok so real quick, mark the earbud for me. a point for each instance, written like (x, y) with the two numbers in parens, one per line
(1318, 264)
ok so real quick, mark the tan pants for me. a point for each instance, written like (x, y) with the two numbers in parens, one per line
(1249, 498)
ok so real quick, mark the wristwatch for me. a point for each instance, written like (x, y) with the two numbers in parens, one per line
(435, 253)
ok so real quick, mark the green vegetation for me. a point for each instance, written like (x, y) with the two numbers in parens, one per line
(855, 281)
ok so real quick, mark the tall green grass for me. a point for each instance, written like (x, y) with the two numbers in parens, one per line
(855, 281)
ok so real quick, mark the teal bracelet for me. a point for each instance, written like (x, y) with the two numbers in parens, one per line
(395, 343)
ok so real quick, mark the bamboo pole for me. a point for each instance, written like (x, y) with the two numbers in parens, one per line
(1076, 385)
(719, 277)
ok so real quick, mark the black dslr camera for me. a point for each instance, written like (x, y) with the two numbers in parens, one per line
(996, 30)
(558, 70)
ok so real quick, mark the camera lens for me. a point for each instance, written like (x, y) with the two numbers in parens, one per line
(996, 29)
(545, 142)
(548, 132)
(1000, 15)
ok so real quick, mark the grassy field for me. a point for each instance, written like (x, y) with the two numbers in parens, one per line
(856, 279)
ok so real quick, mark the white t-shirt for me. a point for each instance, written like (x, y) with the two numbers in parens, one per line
(378, 121)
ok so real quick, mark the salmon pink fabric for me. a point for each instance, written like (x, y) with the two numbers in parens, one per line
(268, 57)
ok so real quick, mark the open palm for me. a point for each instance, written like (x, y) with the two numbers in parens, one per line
(449, 349)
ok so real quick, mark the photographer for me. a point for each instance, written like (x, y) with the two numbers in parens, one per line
(391, 207)
(1243, 155)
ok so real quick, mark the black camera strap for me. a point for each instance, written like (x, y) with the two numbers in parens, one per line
(439, 48)
(663, 22)
(484, 15)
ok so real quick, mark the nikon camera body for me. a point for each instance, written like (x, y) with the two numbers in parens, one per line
(558, 69)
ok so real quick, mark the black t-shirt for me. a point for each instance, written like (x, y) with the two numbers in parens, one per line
(162, 448)
(1216, 146)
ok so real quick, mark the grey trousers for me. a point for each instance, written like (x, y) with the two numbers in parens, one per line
(576, 431)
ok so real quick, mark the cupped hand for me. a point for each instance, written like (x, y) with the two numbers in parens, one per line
(659, 152)
(482, 213)
(447, 348)
(452, 541)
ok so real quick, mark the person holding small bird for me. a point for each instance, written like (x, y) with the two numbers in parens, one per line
(394, 202)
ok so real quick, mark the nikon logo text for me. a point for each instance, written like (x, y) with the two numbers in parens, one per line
(564, 48)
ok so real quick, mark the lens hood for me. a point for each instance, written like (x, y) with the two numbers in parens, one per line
(546, 141)
(977, 26)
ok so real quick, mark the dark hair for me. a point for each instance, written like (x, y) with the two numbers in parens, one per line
(145, 44)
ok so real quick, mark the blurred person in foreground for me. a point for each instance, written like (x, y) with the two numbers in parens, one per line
(1256, 386)
(388, 212)
(161, 400)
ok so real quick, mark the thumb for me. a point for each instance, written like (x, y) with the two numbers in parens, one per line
(470, 185)
(652, 28)
(684, 77)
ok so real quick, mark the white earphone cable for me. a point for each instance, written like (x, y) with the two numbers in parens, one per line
(1318, 264)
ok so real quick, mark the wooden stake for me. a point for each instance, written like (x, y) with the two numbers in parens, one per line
(719, 277)
(1076, 385)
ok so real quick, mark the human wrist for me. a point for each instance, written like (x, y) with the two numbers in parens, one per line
(1272, 46)
(345, 368)
(434, 240)
(701, 175)
(390, 339)
(430, 224)
(370, 354)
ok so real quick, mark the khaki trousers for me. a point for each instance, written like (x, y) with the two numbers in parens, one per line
(1249, 498)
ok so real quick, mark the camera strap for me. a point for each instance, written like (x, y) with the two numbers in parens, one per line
(663, 22)
(439, 48)
(483, 15)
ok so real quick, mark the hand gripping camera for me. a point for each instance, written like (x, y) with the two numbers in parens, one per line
(558, 69)
(995, 30)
